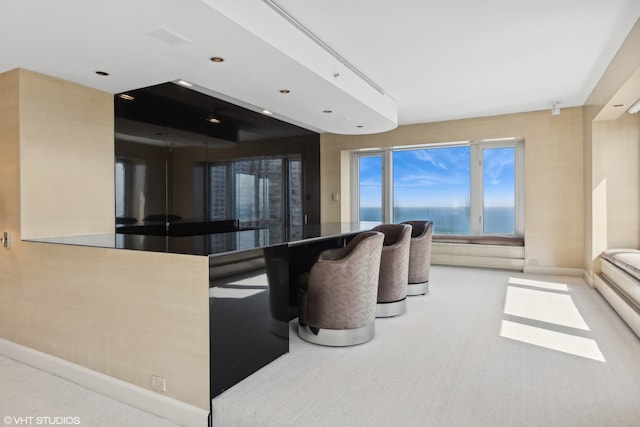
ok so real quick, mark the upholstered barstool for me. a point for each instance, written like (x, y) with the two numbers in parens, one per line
(338, 296)
(419, 256)
(394, 270)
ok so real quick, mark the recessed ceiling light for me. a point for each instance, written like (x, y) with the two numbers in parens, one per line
(102, 73)
(126, 96)
(217, 59)
(213, 120)
(285, 91)
(267, 112)
(184, 83)
(327, 111)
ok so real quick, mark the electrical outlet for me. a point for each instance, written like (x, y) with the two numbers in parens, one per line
(532, 261)
(158, 383)
(5, 239)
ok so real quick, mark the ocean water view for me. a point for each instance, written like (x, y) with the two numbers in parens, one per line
(499, 220)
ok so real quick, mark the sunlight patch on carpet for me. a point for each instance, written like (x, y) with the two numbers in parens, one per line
(544, 306)
(538, 284)
(566, 343)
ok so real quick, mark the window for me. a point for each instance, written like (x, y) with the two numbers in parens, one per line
(498, 190)
(370, 187)
(435, 184)
(464, 188)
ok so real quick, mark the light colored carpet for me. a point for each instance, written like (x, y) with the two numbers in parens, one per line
(476, 351)
(29, 396)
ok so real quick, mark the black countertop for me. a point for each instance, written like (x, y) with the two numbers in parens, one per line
(213, 244)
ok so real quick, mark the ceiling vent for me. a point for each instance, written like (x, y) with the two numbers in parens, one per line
(169, 36)
(304, 30)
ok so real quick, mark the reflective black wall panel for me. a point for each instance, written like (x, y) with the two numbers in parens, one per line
(182, 156)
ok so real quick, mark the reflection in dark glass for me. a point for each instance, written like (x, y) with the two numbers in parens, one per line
(172, 162)
(296, 205)
(248, 313)
(219, 196)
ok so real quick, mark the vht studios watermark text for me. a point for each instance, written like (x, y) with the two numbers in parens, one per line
(43, 421)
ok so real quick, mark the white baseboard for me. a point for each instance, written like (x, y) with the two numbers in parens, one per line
(475, 261)
(588, 277)
(138, 397)
(555, 271)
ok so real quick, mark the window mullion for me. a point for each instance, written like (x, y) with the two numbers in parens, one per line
(519, 189)
(355, 188)
(476, 208)
(387, 186)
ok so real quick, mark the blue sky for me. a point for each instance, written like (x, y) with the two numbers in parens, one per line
(499, 177)
(439, 177)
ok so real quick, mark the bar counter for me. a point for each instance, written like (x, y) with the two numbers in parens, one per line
(214, 244)
(253, 276)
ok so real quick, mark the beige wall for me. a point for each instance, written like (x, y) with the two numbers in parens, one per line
(612, 153)
(127, 314)
(554, 196)
(65, 127)
(616, 183)
(10, 159)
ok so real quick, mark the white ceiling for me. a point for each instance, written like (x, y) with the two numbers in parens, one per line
(433, 60)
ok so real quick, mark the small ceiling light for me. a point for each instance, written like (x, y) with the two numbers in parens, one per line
(102, 73)
(555, 109)
(184, 83)
(327, 111)
(267, 112)
(634, 108)
(285, 91)
(213, 120)
(216, 59)
(126, 97)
